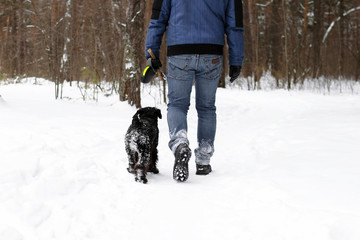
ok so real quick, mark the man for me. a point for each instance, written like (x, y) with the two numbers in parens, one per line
(195, 39)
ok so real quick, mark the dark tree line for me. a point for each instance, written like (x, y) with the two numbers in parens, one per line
(75, 40)
(103, 40)
(295, 40)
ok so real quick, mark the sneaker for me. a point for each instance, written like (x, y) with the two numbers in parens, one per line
(181, 168)
(203, 169)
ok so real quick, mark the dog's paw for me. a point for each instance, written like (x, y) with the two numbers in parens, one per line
(141, 180)
(153, 170)
(140, 176)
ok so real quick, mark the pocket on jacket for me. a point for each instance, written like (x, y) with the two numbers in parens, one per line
(178, 66)
(213, 66)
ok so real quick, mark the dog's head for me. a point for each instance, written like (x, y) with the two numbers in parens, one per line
(147, 114)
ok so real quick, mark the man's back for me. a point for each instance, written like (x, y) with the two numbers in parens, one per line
(199, 21)
(197, 27)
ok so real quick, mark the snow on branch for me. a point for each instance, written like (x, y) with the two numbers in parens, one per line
(133, 19)
(336, 20)
(264, 5)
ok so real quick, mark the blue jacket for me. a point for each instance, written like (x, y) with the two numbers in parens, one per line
(197, 27)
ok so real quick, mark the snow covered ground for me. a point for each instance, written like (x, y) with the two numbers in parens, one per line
(286, 166)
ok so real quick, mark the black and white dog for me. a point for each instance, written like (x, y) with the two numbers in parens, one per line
(141, 141)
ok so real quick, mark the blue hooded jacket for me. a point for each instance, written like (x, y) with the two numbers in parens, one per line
(197, 27)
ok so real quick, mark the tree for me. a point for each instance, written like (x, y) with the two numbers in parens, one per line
(103, 40)
(135, 16)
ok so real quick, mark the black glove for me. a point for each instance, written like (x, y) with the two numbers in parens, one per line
(150, 71)
(234, 72)
(154, 63)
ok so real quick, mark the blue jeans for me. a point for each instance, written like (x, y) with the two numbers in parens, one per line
(182, 71)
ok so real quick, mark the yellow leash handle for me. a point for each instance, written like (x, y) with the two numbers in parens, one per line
(154, 57)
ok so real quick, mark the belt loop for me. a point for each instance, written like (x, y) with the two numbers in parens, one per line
(197, 61)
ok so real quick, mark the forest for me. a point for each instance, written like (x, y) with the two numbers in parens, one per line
(103, 40)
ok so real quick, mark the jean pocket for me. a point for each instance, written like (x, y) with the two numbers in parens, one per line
(213, 66)
(178, 66)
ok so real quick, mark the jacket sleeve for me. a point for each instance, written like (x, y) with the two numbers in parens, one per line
(234, 31)
(158, 23)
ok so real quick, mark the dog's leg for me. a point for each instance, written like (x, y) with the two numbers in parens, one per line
(133, 158)
(131, 168)
(153, 161)
(142, 166)
(154, 154)
(140, 174)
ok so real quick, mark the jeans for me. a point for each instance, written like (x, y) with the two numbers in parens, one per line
(182, 71)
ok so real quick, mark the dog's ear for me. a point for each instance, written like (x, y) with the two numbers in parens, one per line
(158, 113)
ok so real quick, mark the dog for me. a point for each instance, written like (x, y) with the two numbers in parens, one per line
(141, 141)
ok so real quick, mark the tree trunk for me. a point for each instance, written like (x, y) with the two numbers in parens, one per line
(286, 58)
(342, 38)
(357, 44)
(254, 28)
(317, 36)
(21, 40)
(224, 68)
(276, 49)
(135, 15)
(306, 21)
(357, 74)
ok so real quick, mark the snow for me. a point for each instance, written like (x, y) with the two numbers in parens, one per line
(286, 166)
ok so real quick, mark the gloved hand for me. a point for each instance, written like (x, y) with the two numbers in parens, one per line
(152, 66)
(234, 72)
(154, 63)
